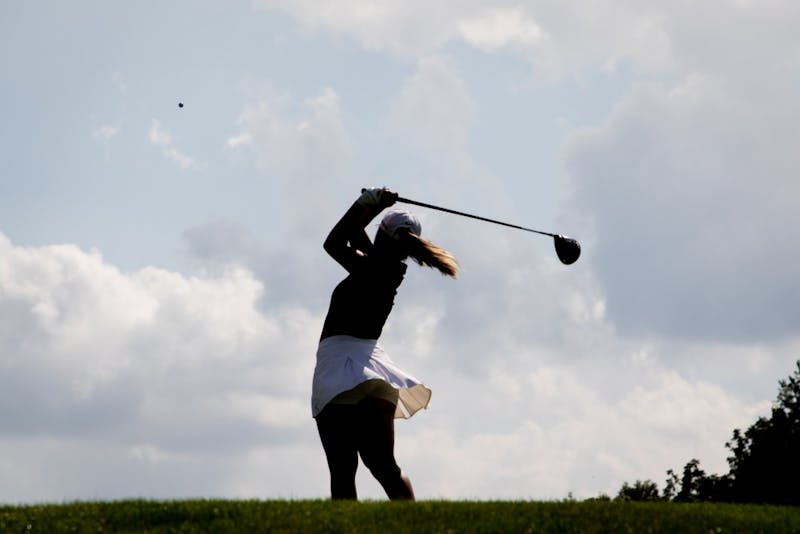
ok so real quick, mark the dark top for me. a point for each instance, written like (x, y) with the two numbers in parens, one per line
(361, 303)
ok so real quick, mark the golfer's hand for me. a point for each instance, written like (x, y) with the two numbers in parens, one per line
(377, 197)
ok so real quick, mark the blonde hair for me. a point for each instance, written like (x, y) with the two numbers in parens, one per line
(427, 254)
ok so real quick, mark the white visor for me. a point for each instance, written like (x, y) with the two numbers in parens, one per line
(397, 220)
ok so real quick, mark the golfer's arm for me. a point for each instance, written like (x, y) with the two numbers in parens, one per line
(347, 240)
(360, 241)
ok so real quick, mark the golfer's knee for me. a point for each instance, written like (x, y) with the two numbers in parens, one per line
(385, 470)
(343, 470)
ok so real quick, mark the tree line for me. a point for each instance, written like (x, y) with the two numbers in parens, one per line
(764, 465)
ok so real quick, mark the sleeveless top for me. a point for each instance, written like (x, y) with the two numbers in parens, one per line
(361, 303)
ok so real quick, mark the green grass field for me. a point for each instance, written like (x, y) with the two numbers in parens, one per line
(424, 516)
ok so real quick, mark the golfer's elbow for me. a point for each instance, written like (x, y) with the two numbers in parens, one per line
(334, 246)
(329, 247)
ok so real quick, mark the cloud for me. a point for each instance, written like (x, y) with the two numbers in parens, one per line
(216, 246)
(223, 243)
(401, 27)
(564, 38)
(163, 138)
(751, 43)
(105, 132)
(435, 102)
(689, 191)
(103, 135)
(304, 149)
(417, 29)
(550, 430)
(295, 140)
(434, 110)
(559, 38)
(154, 366)
(499, 28)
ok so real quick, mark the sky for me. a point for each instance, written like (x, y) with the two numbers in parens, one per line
(163, 283)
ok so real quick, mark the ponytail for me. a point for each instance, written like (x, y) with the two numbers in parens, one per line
(427, 254)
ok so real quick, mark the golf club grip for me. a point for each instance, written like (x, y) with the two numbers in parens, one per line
(478, 217)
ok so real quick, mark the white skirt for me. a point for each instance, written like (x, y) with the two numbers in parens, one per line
(344, 362)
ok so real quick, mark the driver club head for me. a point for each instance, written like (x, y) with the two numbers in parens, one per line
(567, 249)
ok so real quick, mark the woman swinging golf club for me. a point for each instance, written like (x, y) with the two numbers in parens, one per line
(357, 390)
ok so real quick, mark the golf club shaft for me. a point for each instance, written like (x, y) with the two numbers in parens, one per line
(447, 210)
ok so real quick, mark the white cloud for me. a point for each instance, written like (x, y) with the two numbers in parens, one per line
(159, 136)
(105, 132)
(435, 102)
(562, 38)
(498, 28)
(559, 37)
(751, 43)
(402, 27)
(551, 431)
(296, 140)
(163, 138)
(151, 366)
(304, 149)
(103, 135)
(690, 191)
(222, 243)
(435, 111)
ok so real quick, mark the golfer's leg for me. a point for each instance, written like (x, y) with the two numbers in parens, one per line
(335, 426)
(376, 446)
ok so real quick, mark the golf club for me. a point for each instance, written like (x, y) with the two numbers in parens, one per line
(567, 249)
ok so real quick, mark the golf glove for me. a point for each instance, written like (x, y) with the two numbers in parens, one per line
(377, 197)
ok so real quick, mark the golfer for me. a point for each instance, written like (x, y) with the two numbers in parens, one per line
(358, 390)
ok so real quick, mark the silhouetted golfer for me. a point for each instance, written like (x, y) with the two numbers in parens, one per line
(358, 391)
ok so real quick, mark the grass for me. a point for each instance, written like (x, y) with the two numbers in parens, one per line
(424, 516)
